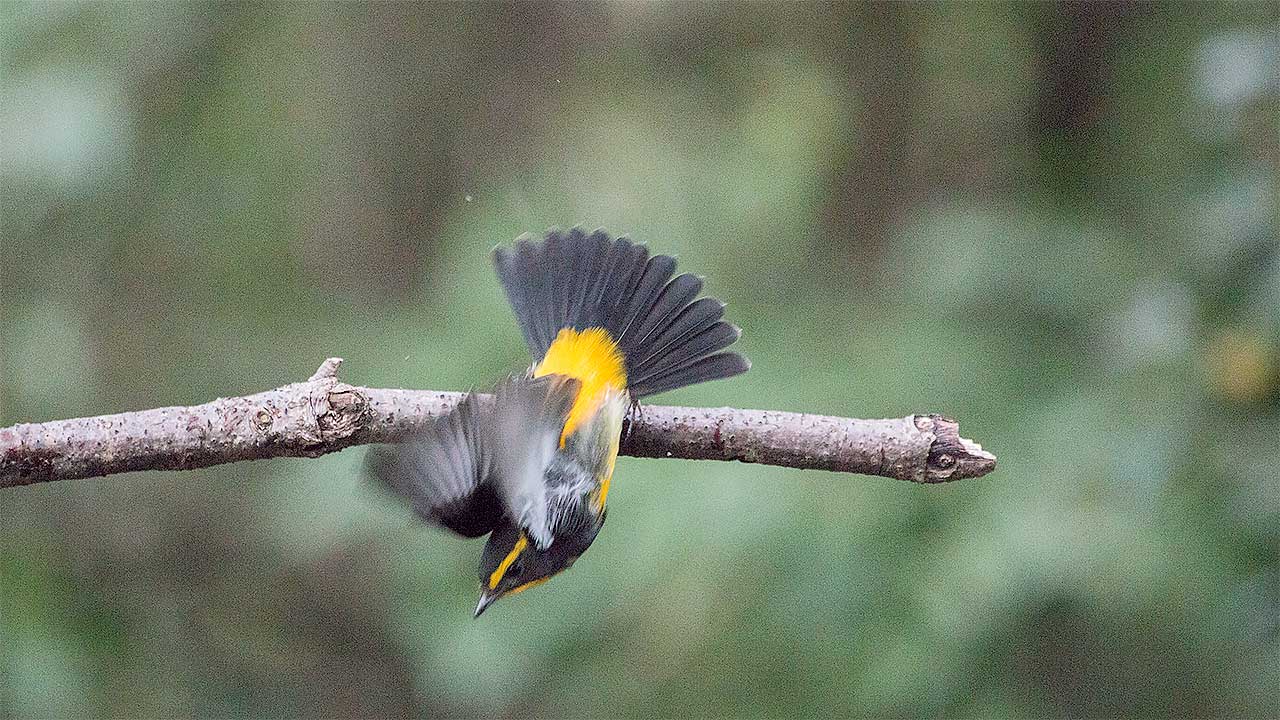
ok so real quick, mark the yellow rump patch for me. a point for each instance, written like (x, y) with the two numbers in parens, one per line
(591, 357)
(496, 576)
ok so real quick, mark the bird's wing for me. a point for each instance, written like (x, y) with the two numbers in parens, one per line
(443, 471)
(528, 417)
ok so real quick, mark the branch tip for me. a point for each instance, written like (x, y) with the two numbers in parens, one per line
(952, 457)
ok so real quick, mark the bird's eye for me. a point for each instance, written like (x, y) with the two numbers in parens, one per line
(517, 568)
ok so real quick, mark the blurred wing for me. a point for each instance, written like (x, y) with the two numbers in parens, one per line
(529, 414)
(442, 472)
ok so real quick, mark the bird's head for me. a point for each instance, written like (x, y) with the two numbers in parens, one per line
(512, 563)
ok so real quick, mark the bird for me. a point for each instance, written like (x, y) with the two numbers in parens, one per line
(531, 464)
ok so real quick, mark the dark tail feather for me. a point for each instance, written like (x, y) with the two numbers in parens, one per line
(713, 367)
(669, 337)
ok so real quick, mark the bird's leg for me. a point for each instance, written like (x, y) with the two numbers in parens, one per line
(635, 414)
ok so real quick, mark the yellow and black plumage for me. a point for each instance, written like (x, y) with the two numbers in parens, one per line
(607, 324)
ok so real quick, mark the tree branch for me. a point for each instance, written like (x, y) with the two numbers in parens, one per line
(324, 415)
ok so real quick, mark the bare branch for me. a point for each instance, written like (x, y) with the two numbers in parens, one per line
(324, 415)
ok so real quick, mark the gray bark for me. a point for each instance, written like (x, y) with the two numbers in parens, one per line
(324, 415)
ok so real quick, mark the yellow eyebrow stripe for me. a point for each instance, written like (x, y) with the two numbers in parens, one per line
(496, 577)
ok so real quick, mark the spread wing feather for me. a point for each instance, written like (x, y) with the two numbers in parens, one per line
(442, 472)
(529, 415)
(483, 461)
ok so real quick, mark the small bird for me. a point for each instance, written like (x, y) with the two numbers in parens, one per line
(531, 466)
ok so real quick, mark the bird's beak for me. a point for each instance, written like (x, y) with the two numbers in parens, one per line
(486, 599)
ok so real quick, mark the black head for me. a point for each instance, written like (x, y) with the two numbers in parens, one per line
(512, 563)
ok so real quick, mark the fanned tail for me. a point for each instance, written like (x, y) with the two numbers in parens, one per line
(667, 335)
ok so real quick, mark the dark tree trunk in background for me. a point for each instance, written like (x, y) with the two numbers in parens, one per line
(874, 180)
(1074, 89)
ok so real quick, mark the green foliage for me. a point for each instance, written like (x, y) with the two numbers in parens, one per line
(1058, 224)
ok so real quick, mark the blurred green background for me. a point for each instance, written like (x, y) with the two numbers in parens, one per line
(1057, 223)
